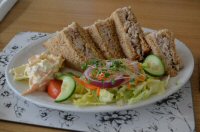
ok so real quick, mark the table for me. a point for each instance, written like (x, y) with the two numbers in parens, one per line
(182, 17)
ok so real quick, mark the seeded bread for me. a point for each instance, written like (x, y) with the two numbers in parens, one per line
(104, 35)
(162, 44)
(130, 34)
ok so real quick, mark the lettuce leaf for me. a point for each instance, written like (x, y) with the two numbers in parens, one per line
(147, 89)
(90, 98)
(121, 95)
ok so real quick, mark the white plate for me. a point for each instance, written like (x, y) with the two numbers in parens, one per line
(42, 99)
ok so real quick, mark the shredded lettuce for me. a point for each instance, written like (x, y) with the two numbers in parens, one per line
(88, 99)
(146, 89)
(122, 95)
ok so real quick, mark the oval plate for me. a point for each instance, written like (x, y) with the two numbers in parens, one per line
(42, 98)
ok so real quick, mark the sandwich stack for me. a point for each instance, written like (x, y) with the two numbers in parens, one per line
(118, 36)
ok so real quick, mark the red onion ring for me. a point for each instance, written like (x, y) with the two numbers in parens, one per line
(104, 84)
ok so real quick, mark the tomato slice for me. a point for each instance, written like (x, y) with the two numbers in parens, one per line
(54, 88)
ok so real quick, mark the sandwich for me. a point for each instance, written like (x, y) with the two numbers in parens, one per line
(162, 44)
(75, 46)
(104, 35)
(130, 33)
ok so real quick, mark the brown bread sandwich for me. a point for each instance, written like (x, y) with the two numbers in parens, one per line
(74, 44)
(104, 35)
(130, 33)
(162, 44)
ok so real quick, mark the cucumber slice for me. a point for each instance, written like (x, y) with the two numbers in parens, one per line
(67, 89)
(153, 66)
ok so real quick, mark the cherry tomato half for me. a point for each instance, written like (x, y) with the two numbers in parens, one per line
(54, 88)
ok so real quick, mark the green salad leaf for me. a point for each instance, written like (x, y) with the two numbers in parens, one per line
(122, 95)
(87, 99)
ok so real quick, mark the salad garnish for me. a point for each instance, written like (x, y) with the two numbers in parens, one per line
(119, 81)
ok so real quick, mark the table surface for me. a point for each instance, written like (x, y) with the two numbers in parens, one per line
(182, 17)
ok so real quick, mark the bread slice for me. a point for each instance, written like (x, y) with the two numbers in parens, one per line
(74, 44)
(81, 41)
(130, 34)
(162, 44)
(105, 37)
(58, 46)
